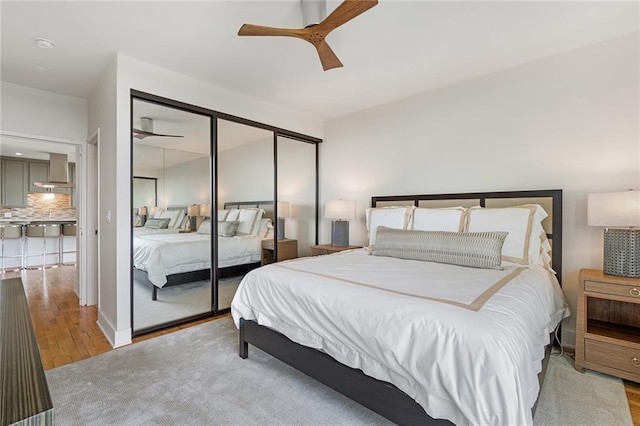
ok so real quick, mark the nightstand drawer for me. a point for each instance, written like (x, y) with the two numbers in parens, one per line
(612, 356)
(630, 291)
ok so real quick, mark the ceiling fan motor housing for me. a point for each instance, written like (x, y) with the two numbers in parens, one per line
(313, 12)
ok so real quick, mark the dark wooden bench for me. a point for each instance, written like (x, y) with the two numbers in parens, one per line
(24, 393)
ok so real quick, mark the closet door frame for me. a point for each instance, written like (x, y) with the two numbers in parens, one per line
(213, 179)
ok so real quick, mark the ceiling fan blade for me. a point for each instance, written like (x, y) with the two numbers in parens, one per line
(141, 134)
(259, 30)
(327, 57)
(347, 10)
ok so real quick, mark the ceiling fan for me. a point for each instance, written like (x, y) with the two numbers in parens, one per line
(315, 33)
(147, 130)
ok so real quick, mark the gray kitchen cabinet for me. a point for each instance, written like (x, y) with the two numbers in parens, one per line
(38, 172)
(15, 183)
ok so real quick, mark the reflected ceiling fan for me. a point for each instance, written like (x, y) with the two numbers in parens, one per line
(316, 28)
(147, 130)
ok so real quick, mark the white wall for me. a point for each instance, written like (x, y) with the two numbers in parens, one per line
(570, 121)
(36, 112)
(185, 184)
(115, 172)
(102, 115)
(246, 173)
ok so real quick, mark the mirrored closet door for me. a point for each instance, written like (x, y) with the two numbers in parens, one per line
(171, 235)
(245, 188)
(214, 196)
(297, 197)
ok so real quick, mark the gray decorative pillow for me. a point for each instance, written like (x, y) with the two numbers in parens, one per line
(157, 223)
(228, 228)
(474, 249)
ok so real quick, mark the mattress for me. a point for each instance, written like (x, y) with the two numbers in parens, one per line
(163, 254)
(465, 343)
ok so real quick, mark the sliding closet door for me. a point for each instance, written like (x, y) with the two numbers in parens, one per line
(297, 196)
(171, 231)
(245, 206)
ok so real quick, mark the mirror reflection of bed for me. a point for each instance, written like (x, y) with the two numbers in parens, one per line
(171, 185)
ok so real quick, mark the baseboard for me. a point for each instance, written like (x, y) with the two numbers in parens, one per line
(115, 337)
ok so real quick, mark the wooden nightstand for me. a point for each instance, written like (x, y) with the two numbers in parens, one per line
(321, 249)
(287, 249)
(608, 324)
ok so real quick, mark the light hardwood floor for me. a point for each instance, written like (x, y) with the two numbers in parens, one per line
(67, 332)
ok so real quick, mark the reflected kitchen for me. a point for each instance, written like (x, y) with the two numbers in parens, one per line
(37, 211)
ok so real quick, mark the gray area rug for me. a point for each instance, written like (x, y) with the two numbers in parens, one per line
(180, 301)
(195, 377)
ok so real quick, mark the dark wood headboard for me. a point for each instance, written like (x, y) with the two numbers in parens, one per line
(549, 199)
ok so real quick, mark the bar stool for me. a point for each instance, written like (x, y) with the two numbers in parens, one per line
(12, 232)
(68, 230)
(44, 231)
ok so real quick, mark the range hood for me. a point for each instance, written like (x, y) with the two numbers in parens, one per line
(58, 173)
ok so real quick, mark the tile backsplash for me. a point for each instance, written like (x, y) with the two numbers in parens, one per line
(44, 206)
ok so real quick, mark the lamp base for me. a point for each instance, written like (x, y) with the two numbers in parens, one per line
(280, 232)
(340, 233)
(622, 252)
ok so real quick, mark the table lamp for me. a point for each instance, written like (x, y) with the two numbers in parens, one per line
(341, 211)
(283, 211)
(193, 211)
(619, 214)
(142, 212)
(205, 210)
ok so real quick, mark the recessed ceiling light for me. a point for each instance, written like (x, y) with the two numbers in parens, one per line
(18, 153)
(44, 43)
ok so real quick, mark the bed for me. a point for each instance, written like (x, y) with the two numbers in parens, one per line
(352, 319)
(169, 256)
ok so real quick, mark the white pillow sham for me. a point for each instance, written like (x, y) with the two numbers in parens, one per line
(393, 217)
(523, 224)
(222, 215)
(233, 214)
(205, 227)
(444, 219)
(248, 219)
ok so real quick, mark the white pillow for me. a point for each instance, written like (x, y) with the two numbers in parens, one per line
(446, 219)
(179, 219)
(263, 227)
(522, 245)
(233, 214)
(248, 219)
(391, 217)
(222, 215)
(172, 215)
(205, 227)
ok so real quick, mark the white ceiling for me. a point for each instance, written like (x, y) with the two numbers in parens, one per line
(394, 50)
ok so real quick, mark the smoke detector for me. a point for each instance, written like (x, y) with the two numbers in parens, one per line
(44, 43)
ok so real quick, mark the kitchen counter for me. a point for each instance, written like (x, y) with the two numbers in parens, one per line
(28, 221)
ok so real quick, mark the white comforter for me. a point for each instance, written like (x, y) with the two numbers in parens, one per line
(466, 343)
(166, 254)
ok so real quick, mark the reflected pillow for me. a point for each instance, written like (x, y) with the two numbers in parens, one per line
(157, 223)
(472, 249)
(205, 227)
(228, 228)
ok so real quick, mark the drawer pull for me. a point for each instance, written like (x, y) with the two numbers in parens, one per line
(635, 362)
(634, 292)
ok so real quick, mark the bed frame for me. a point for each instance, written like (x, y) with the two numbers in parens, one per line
(205, 274)
(382, 397)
